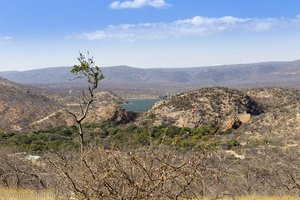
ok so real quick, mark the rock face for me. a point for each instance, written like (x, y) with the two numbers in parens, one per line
(231, 123)
(207, 106)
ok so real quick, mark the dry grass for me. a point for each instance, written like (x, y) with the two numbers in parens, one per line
(259, 198)
(23, 194)
(269, 198)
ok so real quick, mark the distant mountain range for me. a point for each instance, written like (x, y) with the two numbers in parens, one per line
(162, 80)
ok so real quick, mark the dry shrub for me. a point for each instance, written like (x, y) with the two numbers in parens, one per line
(141, 174)
(18, 172)
(155, 173)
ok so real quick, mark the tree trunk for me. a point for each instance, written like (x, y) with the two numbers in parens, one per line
(81, 137)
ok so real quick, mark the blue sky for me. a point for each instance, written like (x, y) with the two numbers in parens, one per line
(147, 33)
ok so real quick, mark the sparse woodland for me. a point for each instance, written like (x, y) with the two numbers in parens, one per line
(153, 173)
(180, 149)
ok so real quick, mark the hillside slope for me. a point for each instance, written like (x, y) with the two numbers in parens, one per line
(20, 105)
(25, 108)
(279, 126)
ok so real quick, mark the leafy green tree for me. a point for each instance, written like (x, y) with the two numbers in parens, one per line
(89, 70)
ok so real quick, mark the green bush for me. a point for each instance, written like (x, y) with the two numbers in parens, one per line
(172, 131)
(6, 135)
(108, 134)
(233, 143)
(107, 124)
(37, 147)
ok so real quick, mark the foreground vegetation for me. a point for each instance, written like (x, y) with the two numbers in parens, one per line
(143, 162)
(152, 172)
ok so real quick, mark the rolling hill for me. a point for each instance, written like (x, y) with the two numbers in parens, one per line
(261, 117)
(206, 106)
(21, 105)
(25, 108)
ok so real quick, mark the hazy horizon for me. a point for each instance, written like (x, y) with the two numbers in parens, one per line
(218, 65)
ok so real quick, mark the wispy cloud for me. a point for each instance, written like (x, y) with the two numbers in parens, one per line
(196, 26)
(5, 39)
(139, 4)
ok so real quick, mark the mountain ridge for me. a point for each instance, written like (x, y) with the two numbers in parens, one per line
(160, 81)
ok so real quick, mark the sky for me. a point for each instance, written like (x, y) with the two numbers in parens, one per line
(147, 33)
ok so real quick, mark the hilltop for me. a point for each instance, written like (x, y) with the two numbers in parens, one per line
(206, 106)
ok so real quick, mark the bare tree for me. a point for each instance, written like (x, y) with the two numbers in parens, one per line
(88, 70)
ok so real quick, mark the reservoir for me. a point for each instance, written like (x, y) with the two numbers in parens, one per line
(140, 105)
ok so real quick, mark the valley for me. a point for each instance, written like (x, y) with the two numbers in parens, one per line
(245, 135)
(150, 100)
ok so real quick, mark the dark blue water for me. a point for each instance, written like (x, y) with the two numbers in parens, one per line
(139, 105)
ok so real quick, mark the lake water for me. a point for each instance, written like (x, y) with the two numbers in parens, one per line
(139, 105)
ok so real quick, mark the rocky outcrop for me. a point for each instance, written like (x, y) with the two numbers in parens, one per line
(232, 122)
(207, 106)
(122, 116)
